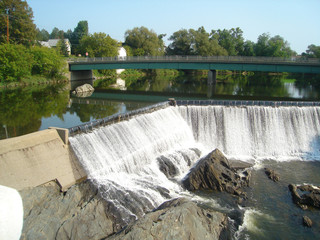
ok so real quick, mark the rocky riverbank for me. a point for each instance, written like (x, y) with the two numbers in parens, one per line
(80, 213)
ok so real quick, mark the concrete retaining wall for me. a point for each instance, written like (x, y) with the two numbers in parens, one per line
(37, 158)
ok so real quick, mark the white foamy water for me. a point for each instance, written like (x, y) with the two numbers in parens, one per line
(250, 223)
(123, 159)
(257, 133)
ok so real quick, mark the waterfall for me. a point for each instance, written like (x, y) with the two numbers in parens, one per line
(257, 132)
(123, 159)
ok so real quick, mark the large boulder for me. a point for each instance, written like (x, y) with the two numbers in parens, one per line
(79, 213)
(213, 172)
(177, 219)
(305, 195)
(84, 90)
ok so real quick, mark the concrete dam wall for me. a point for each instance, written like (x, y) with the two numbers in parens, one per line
(37, 158)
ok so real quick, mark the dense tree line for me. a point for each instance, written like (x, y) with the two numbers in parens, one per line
(22, 55)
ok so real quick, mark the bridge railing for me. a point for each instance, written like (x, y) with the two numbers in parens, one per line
(226, 59)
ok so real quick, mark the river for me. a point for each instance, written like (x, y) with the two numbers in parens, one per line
(269, 212)
(26, 110)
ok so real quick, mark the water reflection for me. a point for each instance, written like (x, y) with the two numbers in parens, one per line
(35, 108)
(21, 110)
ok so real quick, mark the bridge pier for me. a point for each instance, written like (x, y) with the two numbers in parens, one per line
(80, 77)
(212, 77)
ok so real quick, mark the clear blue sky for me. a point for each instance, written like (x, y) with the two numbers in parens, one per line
(297, 21)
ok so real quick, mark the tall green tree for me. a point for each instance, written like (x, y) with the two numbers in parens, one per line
(204, 46)
(22, 30)
(62, 48)
(272, 46)
(182, 41)
(99, 45)
(231, 40)
(42, 35)
(57, 33)
(248, 48)
(194, 42)
(313, 51)
(80, 31)
(143, 41)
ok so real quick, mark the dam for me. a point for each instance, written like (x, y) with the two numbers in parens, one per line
(122, 155)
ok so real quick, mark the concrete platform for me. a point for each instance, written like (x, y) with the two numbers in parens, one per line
(37, 158)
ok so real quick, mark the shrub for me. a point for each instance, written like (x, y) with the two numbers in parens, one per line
(18, 61)
(15, 62)
(47, 62)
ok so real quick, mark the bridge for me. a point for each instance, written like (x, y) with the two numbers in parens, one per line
(81, 68)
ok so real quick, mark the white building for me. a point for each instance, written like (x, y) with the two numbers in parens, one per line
(122, 54)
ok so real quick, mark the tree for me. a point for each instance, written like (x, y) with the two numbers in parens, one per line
(181, 43)
(272, 47)
(261, 47)
(80, 31)
(42, 35)
(46, 61)
(248, 48)
(313, 51)
(62, 48)
(143, 41)
(57, 34)
(278, 47)
(231, 40)
(194, 42)
(203, 45)
(99, 45)
(22, 30)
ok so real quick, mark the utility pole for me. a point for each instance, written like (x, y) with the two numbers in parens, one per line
(7, 25)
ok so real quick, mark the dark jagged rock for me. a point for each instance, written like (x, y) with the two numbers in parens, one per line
(214, 172)
(78, 213)
(272, 174)
(167, 167)
(307, 221)
(177, 219)
(305, 196)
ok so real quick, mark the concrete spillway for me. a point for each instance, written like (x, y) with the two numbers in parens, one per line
(37, 158)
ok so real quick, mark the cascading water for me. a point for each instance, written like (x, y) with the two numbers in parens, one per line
(122, 159)
(253, 133)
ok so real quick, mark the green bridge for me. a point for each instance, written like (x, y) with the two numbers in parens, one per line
(82, 68)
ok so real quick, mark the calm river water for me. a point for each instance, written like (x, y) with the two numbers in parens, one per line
(31, 109)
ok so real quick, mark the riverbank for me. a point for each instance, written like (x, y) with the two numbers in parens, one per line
(33, 81)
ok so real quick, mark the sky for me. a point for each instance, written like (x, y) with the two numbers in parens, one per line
(297, 21)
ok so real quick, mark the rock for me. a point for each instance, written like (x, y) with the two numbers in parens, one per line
(177, 219)
(309, 196)
(85, 90)
(307, 221)
(213, 172)
(167, 167)
(78, 213)
(272, 174)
